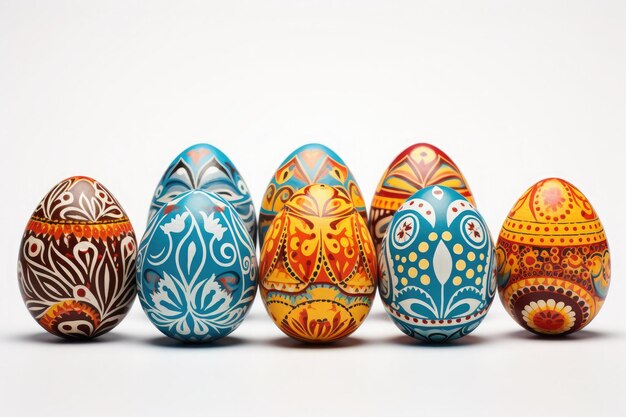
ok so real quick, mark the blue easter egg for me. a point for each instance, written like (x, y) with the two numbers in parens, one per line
(204, 167)
(436, 264)
(196, 268)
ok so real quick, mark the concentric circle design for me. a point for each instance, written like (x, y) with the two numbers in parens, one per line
(553, 260)
(406, 231)
(549, 317)
(473, 231)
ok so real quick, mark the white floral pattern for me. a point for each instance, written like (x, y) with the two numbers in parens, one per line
(197, 268)
(212, 225)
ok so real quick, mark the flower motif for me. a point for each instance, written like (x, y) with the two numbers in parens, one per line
(549, 317)
(176, 225)
(310, 327)
(473, 230)
(405, 231)
(531, 259)
(209, 299)
(572, 261)
(167, 298)
(212, 225)
(193, 310)
(553, 198)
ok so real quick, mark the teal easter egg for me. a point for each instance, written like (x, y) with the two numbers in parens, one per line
(196, 268)
(204, 167)
(437, 266)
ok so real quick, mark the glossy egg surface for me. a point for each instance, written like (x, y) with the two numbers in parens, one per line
(318, 266)
(196, 268)
(554, 265)
(204, 167)
(77, 260)
(417, 167)
(309, 164)
(437, 266)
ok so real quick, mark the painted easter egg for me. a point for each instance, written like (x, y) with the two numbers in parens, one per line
(318, 266)
(553, 259)
(77, 260)
(418, 166)
(309, 164)
(196, 268)
(437, 266)
(204, 167)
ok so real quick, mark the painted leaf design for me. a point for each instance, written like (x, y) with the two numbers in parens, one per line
(442, 263)
(463, 302)
(168, 299)
(209, 298)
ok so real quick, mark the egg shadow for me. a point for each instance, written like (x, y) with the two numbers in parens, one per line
(168, 342)
(256, 317)
(573, 337)
(378, 316)
(289, 343)
(50, 339)
(465, 341)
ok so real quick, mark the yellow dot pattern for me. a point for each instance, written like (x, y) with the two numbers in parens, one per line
(422, 264)
(460, 265)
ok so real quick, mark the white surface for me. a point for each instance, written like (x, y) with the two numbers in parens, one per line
(513, 91)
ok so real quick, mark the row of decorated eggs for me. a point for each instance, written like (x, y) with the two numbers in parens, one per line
(424, 245)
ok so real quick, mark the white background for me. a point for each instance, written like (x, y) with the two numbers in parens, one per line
(512, 91)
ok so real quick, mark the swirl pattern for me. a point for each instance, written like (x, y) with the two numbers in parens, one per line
(317, 266)
(196, 268)
(77, 260)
